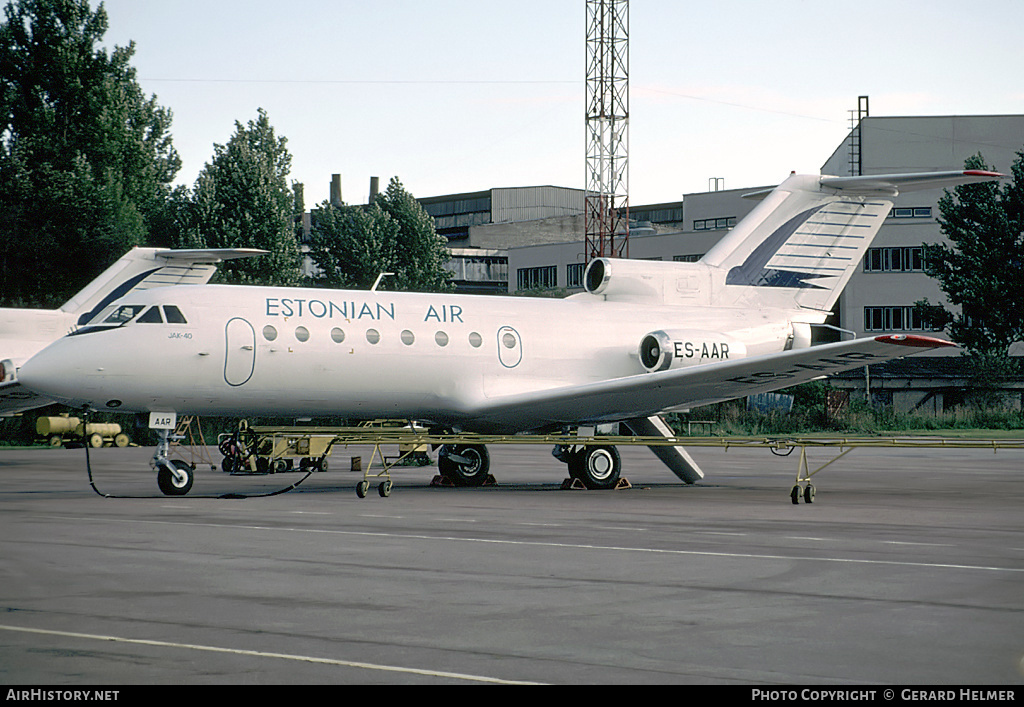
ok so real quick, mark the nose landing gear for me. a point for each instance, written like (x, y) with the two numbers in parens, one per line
(174, 477)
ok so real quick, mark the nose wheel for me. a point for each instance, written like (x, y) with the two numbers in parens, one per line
(174, 477)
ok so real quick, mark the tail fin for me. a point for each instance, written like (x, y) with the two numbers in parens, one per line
(802, 243)
(146, 268)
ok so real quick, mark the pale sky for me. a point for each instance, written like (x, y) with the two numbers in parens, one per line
(465, 95)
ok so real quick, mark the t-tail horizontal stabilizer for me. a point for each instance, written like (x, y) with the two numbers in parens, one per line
(805, 239)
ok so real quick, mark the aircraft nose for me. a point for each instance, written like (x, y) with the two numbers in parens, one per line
(48, 373)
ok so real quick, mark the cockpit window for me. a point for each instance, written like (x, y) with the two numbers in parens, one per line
(174, 315)
(124, 313)
(151, 316)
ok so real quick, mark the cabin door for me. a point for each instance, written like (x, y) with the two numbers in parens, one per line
(239, 352)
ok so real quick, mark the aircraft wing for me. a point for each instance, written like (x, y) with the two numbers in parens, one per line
(653, 393)
(14, 399)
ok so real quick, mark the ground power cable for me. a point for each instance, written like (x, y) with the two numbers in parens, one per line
(92, 483)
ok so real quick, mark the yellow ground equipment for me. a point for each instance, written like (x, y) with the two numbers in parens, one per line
(61, 430)
(271, 450)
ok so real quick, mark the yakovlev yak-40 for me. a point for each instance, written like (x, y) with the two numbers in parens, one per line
(644, 339)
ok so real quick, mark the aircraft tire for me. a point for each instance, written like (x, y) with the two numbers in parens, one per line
(471, 470)
(168, 483)
(597, 467)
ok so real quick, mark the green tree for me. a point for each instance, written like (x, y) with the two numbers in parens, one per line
(981, 269)
(420, 254)
(86, 160)
(242, 199)
(352, 245)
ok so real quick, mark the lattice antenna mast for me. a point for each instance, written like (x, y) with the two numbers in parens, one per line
(606, 214)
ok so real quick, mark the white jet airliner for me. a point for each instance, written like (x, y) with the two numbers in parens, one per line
(644, 339)
(23, 332)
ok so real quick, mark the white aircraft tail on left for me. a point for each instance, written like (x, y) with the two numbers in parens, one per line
(23, 332)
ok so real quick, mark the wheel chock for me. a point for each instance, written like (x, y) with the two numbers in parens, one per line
(577, 485)
(445, 482)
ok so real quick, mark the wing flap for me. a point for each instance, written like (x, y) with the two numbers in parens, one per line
(651, 393)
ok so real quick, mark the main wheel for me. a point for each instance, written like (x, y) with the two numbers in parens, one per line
(464, 464)
(177, 482)
(597, 467)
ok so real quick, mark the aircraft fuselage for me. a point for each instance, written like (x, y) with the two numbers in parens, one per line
(292, 351)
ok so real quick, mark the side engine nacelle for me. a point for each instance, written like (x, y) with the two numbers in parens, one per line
(662, 350)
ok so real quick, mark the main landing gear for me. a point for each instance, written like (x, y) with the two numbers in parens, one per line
(464, 464)
(592, 466)
(596, 467)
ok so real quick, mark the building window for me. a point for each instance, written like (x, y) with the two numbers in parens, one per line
(574, 274)
(899, 259)
(535, 278)
(712, 224)
(911, 212)
(894, 318)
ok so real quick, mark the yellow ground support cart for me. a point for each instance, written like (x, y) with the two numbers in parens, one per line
(62, 429)
(273, 450)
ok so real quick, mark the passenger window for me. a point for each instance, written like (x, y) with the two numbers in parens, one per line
(475, 340)
(441, 338)
(123, 314)
(269, 333)
(151, 316)
(337, 335)
(173, 315)
(373, 336)
(408, 337)
(302, 333)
